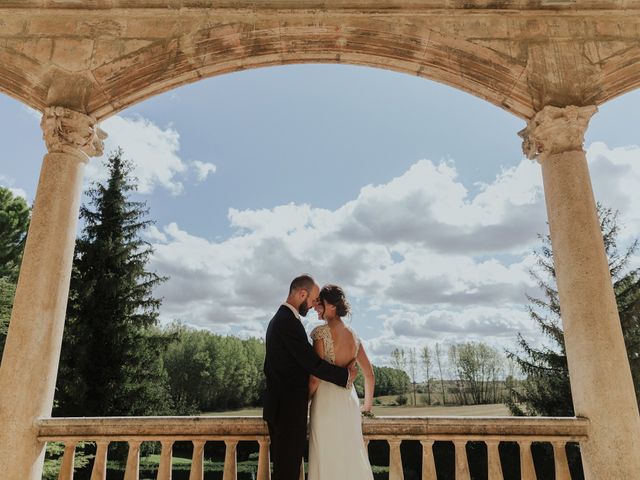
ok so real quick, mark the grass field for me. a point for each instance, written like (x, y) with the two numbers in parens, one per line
(466, 411)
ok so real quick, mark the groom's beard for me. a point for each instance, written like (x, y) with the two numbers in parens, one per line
(303, 309)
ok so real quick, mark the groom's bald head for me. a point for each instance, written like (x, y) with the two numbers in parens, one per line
(303, 293)
(303, 282)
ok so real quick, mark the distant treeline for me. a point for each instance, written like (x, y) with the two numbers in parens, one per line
(209, 372)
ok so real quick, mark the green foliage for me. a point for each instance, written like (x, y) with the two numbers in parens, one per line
(399, 362)
(14, 223)
(7, 292)
(111, 355)
(478, 368)
(546, 389)
(53, 459)
(209, 372)
(389, 381)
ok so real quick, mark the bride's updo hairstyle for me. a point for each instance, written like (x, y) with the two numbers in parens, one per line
(334, 295)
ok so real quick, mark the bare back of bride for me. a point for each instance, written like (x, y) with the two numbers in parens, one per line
(336, 447)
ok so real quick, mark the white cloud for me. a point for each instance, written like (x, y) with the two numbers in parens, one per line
(32, 112)
(8, 182)
(615, 174)
(401, 263)
(429, 206)
(423, 260)
(203, 169)
(154, 151)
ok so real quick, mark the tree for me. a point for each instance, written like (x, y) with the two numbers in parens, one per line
(7, 292)
(477, 368)
(399, 362)
(412, 363)
(546, 389)
(111, 355)
(14, 223)
(427, 360)
(439, 362)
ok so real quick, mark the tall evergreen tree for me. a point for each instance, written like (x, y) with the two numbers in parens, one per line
(111, 357)
(546, 389)
(14, 223)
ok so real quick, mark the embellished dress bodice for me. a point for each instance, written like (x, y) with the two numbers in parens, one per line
(323, 333)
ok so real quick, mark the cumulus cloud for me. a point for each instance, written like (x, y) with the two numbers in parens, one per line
(408, 256)
(421, 257)
(203, 169)
(429, 206)
(154, 150)
(615, 173)
(9, 183)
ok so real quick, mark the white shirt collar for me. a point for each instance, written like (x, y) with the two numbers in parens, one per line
(293, 309)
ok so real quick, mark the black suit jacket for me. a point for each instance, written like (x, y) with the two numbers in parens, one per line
(289, 361)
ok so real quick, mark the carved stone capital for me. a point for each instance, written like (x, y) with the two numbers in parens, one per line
(68, 131)
(556, 130)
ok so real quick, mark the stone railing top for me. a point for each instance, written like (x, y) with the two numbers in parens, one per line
(322, 4)
(250, 428)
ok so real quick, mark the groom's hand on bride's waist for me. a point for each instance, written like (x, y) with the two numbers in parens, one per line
(353, 373)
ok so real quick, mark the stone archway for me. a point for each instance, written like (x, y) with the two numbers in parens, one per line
(550, 62)
(103, 56)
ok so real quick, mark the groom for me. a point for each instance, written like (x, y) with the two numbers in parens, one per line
(289, 361)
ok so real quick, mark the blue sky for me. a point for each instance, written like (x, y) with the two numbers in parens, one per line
(414, 196)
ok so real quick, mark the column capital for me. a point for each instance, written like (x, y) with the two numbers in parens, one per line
(69, 131)
(555, 130)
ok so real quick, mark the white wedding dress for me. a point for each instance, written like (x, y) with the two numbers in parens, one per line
(336, 446)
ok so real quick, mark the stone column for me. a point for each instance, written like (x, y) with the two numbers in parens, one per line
(32, 350)
(601, 382)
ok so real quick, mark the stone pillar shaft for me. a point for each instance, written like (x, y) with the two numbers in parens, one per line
(32, 350)
(601, 383)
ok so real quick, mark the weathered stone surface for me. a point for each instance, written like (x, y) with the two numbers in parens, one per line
(518, 55)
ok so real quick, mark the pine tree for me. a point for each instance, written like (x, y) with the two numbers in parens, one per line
(111, 357)
(7, 292)
(546, 389)
(14, 223)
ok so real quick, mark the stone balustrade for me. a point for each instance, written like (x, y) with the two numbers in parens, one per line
(394, 430)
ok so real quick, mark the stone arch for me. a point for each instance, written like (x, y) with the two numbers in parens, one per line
(166, 65)
(516, 57)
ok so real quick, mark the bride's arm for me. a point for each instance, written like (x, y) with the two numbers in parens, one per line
(369, 378)
(318, 346)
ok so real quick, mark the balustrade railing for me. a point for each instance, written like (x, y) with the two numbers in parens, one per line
(394, 430)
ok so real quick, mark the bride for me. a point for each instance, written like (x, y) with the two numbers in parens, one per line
(336, 447)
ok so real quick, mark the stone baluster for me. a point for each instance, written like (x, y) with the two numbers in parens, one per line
(495, 466)
(197, 461)
(132, 470)
(99, 471)
(264, 467)
(164, 470)
(601, 382)
(396, 471)
(32, 350)
(560, 461)
(462, 466)
(230, 460)
(428, 461)
(527, 469)
(66, 469)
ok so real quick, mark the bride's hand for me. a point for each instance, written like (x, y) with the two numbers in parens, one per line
(365, 408)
